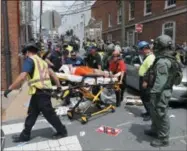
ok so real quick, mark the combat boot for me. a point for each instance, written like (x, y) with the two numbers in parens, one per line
(160, 142)
(150, 132)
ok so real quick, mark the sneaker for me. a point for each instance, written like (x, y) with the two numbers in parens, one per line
(144, 114)
(20, 138)
(146, 118)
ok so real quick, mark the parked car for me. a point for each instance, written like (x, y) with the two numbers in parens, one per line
(133, 61)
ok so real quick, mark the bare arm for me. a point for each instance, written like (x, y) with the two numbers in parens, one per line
(49, 62)
(18, 81)
(54, 77)
(122, 76)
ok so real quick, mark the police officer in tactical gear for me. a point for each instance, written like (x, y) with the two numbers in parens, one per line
(159, 81)
(38, 74)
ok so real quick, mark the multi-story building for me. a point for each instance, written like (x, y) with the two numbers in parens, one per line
(157, 17)
(76, 18)
(12, 38)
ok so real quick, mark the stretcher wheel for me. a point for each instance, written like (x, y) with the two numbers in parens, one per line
(113, 109)
(70, 114)
(84, 119)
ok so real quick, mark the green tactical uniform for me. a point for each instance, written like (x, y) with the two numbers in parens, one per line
(160, 82)
(160, 96)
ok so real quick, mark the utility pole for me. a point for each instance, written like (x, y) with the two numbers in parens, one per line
(123, 23)
(7, 52)
(41, 11)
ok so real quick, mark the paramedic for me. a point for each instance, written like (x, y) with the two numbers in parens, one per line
(148, 61)
(75, 60)
(94, 61)
(38, 74)
(54, 60)
(117, 65)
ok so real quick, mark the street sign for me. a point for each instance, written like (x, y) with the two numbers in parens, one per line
(138, 28)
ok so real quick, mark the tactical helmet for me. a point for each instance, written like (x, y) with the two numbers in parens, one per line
(29, 47)
(162, 42)
(110, 48)
(143, 44)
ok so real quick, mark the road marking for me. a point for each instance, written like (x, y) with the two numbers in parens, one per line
(177, 137)
(184, 142)
(18, 127)
(124, 124)
(69, 143)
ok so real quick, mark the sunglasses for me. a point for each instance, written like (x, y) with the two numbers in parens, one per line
(114, 56)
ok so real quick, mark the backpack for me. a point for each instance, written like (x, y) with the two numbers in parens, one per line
(176, 77)
(176, 71)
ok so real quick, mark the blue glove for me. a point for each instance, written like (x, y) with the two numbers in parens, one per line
(6, 93)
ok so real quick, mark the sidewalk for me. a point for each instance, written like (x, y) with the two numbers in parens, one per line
(14, 105)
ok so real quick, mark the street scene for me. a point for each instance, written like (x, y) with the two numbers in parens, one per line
(94, 75)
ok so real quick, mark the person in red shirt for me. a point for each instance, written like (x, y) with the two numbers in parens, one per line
(117, 65)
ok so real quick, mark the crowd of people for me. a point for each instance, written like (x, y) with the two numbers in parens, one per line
(157, 74)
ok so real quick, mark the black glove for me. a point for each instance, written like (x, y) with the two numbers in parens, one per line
(58, 89)
(7, 92)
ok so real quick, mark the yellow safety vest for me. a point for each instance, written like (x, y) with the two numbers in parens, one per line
(41, 78)
(146, 64)
(87, 44)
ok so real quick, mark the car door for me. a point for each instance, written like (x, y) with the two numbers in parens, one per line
(129, 77)
(136, 60)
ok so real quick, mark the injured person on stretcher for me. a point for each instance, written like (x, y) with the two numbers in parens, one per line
(85, 71)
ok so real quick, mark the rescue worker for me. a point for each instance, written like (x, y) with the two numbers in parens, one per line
(38, 74)
(117, 65)
(66, 46)
(54, 59)
(75, 60)
(160, 82)
(94, 59)
(148, 61)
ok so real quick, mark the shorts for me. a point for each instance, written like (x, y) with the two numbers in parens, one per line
(83, 70)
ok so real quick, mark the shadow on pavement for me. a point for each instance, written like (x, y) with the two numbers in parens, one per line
(43, 133)
(175, 104)
(138, 131)
(134, 109)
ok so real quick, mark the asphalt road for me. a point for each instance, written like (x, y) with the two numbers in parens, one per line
(85, 137)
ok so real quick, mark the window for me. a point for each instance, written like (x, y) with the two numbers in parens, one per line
(169, 29)
(109, 37)
(130, 38)
(119, 16)
(147, 7)
(170, 3)
(131, 9)
(109, 20)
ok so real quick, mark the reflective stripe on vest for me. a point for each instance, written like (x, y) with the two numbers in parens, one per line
(41, 78)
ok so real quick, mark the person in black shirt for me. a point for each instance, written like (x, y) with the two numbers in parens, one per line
(94, 59)
(55, 59)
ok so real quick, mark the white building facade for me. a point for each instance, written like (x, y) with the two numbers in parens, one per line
(76, 18)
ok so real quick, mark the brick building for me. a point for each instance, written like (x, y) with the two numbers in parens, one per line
(13, 27)
(157, 17)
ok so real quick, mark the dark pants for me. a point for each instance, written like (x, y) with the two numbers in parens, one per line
(41, 102)
(120, 94)
(145, 96)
